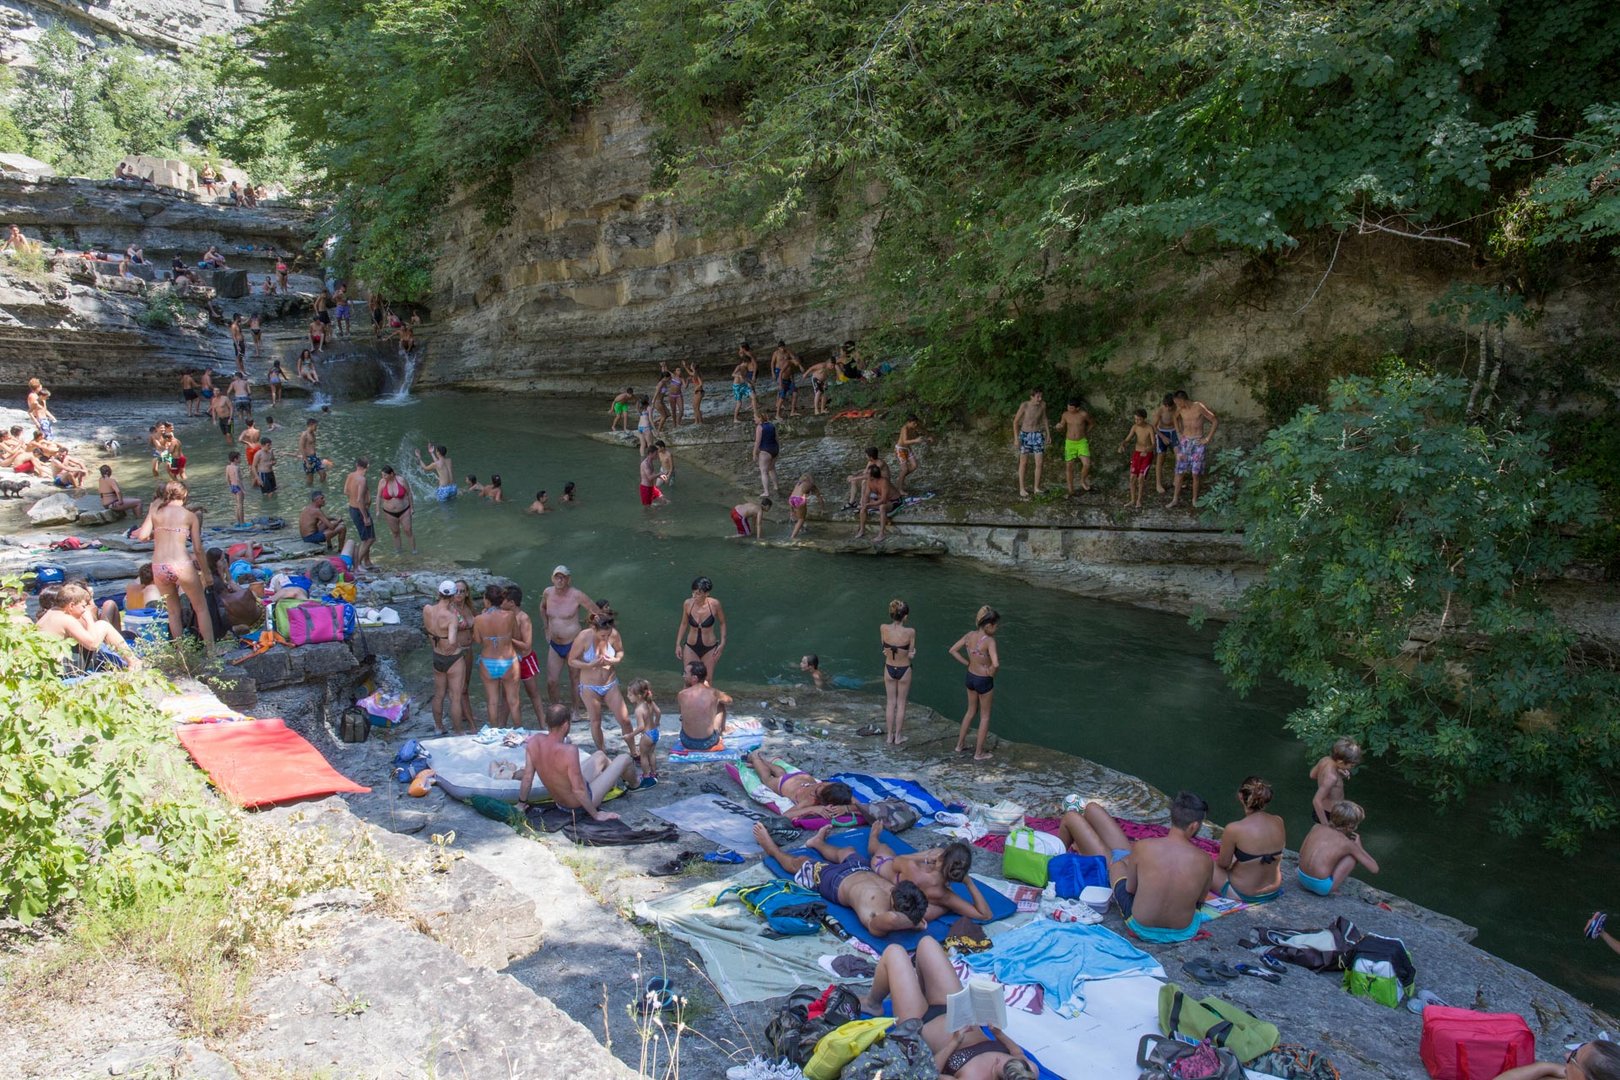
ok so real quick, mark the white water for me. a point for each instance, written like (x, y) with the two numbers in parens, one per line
(407, 375)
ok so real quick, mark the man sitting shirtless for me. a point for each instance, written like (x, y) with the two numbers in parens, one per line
(555, 760)
(811, 797)
(843, 877)
(1159, 883)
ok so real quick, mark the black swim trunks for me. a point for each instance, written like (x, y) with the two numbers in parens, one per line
(825, 877)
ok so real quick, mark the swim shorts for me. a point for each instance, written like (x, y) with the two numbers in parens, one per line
(741, 523)
(312, 465)
(445, 493)
(1140, 460)
(620, 408)
(648, 494)
(528, 667)
(1076, 448)
(825, 877)
(189, 394)
(227, 424)
(787, 391)
(1166, 440)
(267, 483)
(699, 745)
(1031, 442)
(1190, 459)
(343, 311)
(364, 530)
(316, 537)
(741, 390)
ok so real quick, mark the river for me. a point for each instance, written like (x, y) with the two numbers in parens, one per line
(1132, 689)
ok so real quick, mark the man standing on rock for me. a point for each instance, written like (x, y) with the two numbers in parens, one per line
(569, 784)
(357, 488)
(314, 467)
(238, 342)
(38, 411)
(1031, 433)
(1193, 440)
(1076, 423)
(560, 604)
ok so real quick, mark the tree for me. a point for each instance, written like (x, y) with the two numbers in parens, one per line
(1405, 548)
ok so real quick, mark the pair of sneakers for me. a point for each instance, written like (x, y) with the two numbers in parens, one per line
(761, 1069)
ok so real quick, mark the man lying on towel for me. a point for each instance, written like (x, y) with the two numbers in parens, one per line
(811, 798)
(932, 871)
(1159, 883)
(843, 877)
(555, 761)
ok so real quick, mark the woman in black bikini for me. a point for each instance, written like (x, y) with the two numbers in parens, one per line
(447, 624)
(394, 500)
(701, 633)
(982, 662)
(899, 648)
(1247, 866)
(919, 991)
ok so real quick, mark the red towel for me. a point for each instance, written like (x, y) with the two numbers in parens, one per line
(261, 762)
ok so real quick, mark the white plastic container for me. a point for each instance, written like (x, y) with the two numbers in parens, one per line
(1097, 898)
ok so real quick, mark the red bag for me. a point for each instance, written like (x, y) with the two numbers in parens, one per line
(313, 623)
(1460, 1044)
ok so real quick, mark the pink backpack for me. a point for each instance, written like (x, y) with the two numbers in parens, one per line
(313, 623)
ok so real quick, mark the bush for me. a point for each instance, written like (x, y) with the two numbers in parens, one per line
(97, 802)
(163, 309)
(1404, 548)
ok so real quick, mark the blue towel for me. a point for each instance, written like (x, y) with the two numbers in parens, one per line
(1061, 957)
(873, 788)
(939, 929)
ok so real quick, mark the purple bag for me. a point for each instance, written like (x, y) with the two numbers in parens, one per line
(313, 623)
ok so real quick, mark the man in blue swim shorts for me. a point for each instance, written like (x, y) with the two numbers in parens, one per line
(843, 877)
(316, 527)
(1031, 432)
(1159, 882)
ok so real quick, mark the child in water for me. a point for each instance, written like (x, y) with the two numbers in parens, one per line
(644, 736)
(539, 505)
(1330, 773)
(1332, 850)
(811, 665)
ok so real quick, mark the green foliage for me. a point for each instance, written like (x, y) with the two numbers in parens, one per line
(403, 102)
(97, 803)
(163, 309)
(82, 108)
(1403, 548)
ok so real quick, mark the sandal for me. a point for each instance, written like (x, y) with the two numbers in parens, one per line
(1204, 970)
(1258, 973)
(671, 867)
(868, 729)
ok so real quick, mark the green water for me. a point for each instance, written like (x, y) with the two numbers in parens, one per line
(1132, 689)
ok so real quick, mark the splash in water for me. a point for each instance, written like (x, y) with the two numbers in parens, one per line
(319, 400)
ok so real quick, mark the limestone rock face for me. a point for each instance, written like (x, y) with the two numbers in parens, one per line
(166, 25)
(593, 282)
(58, 509)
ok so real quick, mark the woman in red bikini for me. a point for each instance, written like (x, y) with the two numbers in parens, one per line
(169, 525)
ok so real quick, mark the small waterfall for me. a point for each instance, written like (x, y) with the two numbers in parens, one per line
(407, 375)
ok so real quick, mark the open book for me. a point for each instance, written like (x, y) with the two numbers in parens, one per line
(978, 1003)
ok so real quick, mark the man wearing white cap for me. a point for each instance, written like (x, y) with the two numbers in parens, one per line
(559, 607)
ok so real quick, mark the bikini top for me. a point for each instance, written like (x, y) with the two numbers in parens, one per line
(1265, 860)
(589, 655)
(966, 1054)
(392, 490)
(705, 624)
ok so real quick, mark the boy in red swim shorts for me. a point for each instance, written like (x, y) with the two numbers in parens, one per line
(1141, 455)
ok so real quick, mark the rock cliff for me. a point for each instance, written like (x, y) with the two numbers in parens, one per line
(593, 279)
(164, 25)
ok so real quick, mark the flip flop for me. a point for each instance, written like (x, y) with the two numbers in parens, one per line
(647, 782)
(1258, 973)
(1227, 971)
(672, 866)
(868, 729)
(1595, 925)
(1204, 970)
(770, 723)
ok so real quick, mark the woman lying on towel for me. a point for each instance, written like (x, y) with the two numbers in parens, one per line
(811, 797)
(919, 992)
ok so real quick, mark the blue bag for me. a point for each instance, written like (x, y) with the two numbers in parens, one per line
(787, 907)
(1070, 873)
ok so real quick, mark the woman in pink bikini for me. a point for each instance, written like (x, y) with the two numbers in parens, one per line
(169, 525)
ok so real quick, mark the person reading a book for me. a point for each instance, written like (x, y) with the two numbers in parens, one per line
(842, 876)
(951, 1015)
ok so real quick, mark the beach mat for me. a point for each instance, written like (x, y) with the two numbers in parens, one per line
(743, 736)
(875, 788)
(1000, 906)
(586, 831)
(262, 762)
(708, 816)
